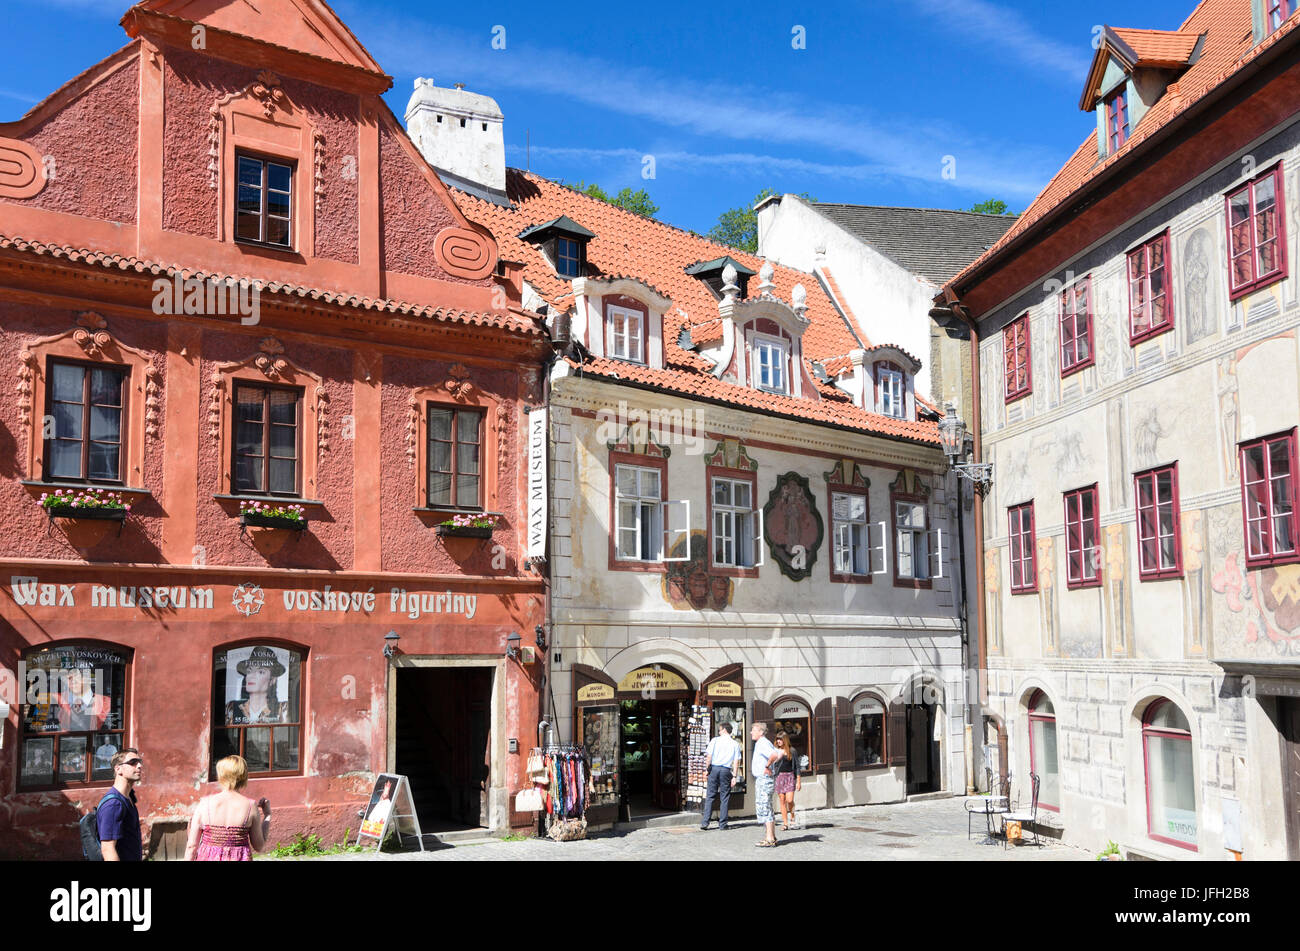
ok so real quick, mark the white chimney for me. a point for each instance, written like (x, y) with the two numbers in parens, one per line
(461, 134)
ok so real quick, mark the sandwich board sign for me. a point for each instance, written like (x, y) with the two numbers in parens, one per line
(390, 805)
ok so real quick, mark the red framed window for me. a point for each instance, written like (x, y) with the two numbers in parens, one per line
(1015, 351)
(1159, 551)
(1170, 779)
(75, 709)
(1042, 751)
(1082, 553)
(1024, 574)
(1256, 234)
(87, 405)
(850, 535)
(267, 446)
(1150, 305)
(1268, 499)
(455, 454)
(1277, 12)
(257, 706)
(1076, 327)
(1117, 119)
(264, 213)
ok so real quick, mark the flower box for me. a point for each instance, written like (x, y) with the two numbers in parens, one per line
(261, 520)
(465, 531)
(77, 511)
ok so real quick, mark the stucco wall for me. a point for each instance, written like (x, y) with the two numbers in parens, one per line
(90, 150)
(1227, 372)
(890, 304)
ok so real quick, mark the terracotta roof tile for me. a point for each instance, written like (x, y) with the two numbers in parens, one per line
(628, 244)
(516, 322)
(1159, 47)
(1227, 49)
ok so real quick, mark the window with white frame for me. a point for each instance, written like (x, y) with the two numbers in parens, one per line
(625, 334)
(852, 554)
(889, 381)
(637, 513)
(769, 364)
(913, 555)
(734, 526)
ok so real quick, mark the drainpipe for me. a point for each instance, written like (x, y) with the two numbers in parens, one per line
(954, 308)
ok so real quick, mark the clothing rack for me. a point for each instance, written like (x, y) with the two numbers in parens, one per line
(568, 776)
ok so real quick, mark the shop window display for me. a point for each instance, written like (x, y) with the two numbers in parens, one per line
(78, 718)
(868, 731)
(258, 691)
(795, 718)
(600, 737)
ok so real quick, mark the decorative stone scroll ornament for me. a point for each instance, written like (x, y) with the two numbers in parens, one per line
(847, 472)
(412, 432)
(268, 365)
(502, 420)
(730, 454)
(459, 385)
(91, 334)
(22, 170)
(464, 253)
(793, 526)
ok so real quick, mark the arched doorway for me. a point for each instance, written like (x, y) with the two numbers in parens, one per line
(635, 729)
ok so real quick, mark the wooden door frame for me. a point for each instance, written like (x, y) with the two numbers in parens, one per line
(496, 737)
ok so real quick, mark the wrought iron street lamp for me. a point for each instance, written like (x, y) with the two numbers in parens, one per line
(955, 440)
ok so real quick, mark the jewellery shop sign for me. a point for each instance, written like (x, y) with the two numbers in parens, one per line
(247, 599)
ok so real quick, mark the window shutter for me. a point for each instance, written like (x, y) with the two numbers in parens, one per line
(845, 757)
(757, 522)
(1003, 767)
(896, 747)
(823, 751)
(676, 530)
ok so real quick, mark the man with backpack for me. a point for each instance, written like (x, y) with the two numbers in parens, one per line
(117, 820)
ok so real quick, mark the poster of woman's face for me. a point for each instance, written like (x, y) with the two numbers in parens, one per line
(257, 684)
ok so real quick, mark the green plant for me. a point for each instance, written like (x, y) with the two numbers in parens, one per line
(471, 521)
(309, 846)
(253, 507)
(1112, 848)
(83, 499)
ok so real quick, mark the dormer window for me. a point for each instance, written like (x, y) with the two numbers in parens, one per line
(626, 334)
(769, 365)
(710, 272)
(890, 391)
(568, 257)
(564, 242)
(1277, 12)
(1117, 119)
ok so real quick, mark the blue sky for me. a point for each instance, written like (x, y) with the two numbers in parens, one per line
(866, 112)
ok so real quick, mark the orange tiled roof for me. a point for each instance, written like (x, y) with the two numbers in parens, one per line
(1227, 49)
(657, 254)
(518, 323)
(1159, 47)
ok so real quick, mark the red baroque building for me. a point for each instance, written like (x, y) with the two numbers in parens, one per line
(230, 284)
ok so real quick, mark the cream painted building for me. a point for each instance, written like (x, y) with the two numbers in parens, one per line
(1140, 390)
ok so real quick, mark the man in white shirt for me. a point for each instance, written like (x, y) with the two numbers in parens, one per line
(765, 754)
(723, 754)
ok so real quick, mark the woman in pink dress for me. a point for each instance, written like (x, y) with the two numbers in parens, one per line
(225, 826)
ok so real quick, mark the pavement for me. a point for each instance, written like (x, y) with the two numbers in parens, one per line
(933, 830)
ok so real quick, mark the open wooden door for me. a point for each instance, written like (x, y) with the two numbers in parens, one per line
(596, 728)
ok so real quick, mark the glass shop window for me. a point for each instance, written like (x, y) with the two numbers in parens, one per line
(257, 707)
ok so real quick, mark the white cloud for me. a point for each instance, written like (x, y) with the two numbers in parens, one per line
(1005, 29)
(911, 148)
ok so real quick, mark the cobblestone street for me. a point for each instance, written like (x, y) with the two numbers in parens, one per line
(933, 830)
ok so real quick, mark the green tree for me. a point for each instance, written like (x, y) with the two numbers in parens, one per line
(636, 201)
(738, 227)
(993, 206)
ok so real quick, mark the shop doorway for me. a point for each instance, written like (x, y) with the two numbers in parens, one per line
(922, 749)
(1288, 709)
(443, 743)
(651, 748)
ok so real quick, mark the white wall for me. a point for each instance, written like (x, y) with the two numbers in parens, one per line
(890, 304)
